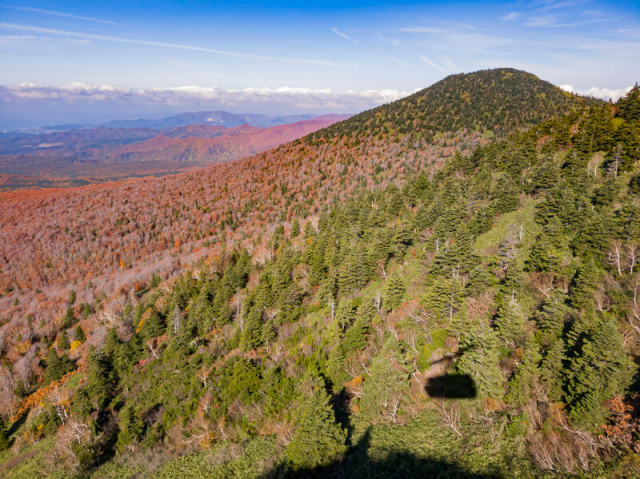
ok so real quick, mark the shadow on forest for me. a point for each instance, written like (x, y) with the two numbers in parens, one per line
(452, 386)
(396, 465)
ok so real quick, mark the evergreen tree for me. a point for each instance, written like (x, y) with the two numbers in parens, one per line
(57, 366)
(295, 228)
(79, 334)
(68, 319)
(599, 370)
(63, 342)
(480, 361)
(5, 441)
(527, 375)
(252, 330)
(132, 427)
(585, 285)
(318, 439)
(396, 289)
(510, 324)
(101, 379)
(385, 387)
(552, 369)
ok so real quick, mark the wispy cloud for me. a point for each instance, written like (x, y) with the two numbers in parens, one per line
(433, 65)
(449, 65)
(392, 41)
(604, 93)
(556, 21)
(284, 98)
(170, 45)
(510, 16)
(460, 37)
(343, 35)
(400, 62)
(62, 14)
(424, 30)
(17, 39)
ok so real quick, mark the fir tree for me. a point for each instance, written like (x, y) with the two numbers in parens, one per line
(252, 330)
(480, 361)
(79, 334)
(68, 319)
(57, 366)
(585, 285)
(63, 342)
(318, 439)
(5, 441)
(510, 324)
(396, 289)
(599, 370)
(527, 375)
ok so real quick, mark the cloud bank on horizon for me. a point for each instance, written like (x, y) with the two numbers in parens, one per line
(349, 55)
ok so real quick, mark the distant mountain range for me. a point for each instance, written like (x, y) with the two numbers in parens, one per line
(117, 152)
(214, 118)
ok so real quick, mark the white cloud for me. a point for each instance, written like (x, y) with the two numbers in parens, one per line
(343, 35)
(554, 21)
(448, 63)
(433, 65)
(131, 41)
(510, 16)
(283, 98)
(597, 92)
(61, 14)
(392, 41)
(400, 62)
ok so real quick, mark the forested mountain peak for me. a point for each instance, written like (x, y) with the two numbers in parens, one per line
(492, 102)
(371, 305)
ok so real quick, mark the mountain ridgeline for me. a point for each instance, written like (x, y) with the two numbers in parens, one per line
(492, 102)
(470, 315)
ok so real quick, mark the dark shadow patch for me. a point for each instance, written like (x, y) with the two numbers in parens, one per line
(452, 386)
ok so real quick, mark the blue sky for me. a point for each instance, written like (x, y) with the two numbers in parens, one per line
(86, 61)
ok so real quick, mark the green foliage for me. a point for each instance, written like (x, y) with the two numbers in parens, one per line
(57, 366)
(396, 289)
(318, 439)
(480, 361)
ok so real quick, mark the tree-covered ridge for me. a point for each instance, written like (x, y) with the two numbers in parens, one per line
(494, 102)
(492, 302)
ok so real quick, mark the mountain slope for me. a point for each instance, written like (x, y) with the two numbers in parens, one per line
(480, 321)
(228, 202)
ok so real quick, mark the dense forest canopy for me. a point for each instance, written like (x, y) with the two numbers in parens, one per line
(480, 318)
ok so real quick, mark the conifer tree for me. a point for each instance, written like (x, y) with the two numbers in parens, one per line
(552, 369)
(585, 285)
(5, 442)
(318, 439)
(252, 330)
(79, 334)
(396, 289)
(599, 370)
(69, 319)
(510, 324)
(63, 342)
(57, 366)
(527, 375)
(480, 361)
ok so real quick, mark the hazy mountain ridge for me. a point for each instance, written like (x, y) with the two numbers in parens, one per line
(214, 118)
(121, 152)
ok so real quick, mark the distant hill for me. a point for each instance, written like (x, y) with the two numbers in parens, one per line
(214, 118)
